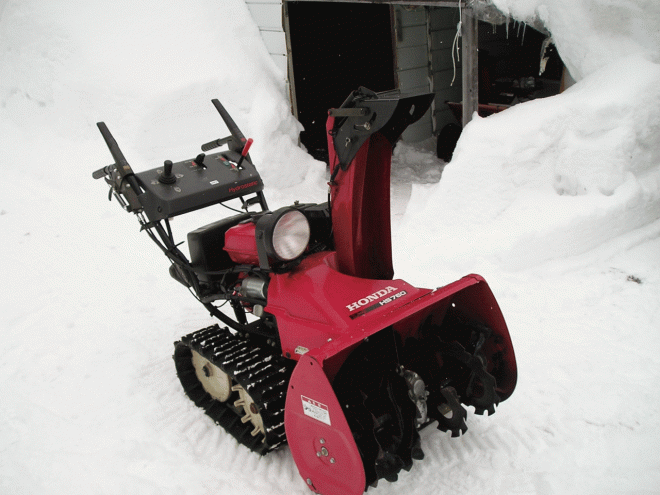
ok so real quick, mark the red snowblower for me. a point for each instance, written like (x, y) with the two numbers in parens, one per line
(322, 349)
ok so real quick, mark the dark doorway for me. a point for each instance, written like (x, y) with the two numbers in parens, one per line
(335, 48)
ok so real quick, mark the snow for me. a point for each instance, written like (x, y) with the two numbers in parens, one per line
(556, 202)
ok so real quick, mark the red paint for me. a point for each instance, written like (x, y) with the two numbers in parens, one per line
(241, 245)
(338, 468)
(360, 198)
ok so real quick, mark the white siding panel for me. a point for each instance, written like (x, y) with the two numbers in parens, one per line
(415, 17)
(268, 16)
(412, 57)
(413, 78)
(280, 61)
(413, 36)
(275, 42)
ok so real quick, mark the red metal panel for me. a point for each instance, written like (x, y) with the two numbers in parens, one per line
(360, 199)
(241, 244)
(318, 434)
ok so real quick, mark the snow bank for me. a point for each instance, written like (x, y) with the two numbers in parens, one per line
(554, 177)
(149, 71)
(589, 34)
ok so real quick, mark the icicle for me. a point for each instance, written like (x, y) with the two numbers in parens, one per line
(523, 36)
(454, 45)
(507, 26)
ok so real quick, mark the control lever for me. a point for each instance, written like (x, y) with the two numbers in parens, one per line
(245, 151)
(167, 177)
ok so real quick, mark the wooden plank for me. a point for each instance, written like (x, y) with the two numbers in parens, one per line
(469, 42)
(289, 61)
(426, 3)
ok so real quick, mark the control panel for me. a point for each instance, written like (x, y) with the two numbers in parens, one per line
(181, 187)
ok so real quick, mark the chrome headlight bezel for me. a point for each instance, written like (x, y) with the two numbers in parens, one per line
(282, 235)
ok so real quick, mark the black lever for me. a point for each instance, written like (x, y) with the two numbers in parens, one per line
(167, 177)
(237, 142)
(122, 167)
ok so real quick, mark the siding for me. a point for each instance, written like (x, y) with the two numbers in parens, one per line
(412, 62)
(443, 24)
(267, 14)
(423, 41)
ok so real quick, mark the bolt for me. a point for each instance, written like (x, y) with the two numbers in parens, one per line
(309, 482)
(332, 460)
(324, 452)
(322, 441)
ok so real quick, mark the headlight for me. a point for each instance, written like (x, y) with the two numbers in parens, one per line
(290, 235)
(282, 235)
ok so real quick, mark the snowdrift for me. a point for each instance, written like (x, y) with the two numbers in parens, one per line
(90, 400)
(560, 176)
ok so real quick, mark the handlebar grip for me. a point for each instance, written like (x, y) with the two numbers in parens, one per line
(123, 167)
(231, 125)
(215, 144)
(102, 172)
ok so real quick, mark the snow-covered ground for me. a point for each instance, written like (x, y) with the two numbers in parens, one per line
(556, 202)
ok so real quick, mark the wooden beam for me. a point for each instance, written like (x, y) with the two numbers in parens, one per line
(289, 60)
(424, 3)
(470, 53)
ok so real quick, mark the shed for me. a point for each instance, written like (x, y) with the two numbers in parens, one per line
(329, 48)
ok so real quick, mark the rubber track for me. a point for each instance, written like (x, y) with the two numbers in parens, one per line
(261, 372)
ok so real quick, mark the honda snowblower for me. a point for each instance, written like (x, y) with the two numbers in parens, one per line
(320, 347)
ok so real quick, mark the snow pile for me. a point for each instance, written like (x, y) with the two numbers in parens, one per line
(590, 34)
(90, 402)
(149, 71)
(550, 178)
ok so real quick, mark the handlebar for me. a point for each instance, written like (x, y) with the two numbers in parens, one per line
(216, 144)
(102, 172)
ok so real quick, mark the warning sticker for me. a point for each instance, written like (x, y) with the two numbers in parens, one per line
(316, 410)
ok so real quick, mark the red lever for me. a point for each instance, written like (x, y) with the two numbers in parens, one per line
(244, 153)
(246, 148)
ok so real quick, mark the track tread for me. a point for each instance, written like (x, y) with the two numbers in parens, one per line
(259, 371)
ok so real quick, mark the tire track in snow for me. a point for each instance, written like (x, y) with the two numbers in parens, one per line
(190, 432)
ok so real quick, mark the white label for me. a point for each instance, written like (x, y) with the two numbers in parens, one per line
(214, 182)
(316, 410)
(301, 350)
